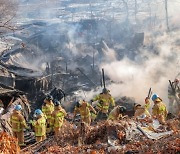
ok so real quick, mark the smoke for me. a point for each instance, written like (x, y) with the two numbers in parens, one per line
(110, 54)
(151, 68)
(152, 65)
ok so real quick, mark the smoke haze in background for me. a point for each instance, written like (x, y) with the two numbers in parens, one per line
(149, 70)
(155, 64)
(134, 78)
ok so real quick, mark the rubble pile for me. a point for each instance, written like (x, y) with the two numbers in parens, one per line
(109, 137)
(8, 144)
(14, 100)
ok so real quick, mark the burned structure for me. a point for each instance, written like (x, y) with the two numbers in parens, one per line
(9, 98)
(60, 47)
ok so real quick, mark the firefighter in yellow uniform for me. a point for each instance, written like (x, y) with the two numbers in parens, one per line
(18, 124)
(47, 109)
(84, 109)
(117, 113)
(39, 125)
(93, 115)
(147, 103)
(159, 110)
(58, 118)
(141, 112)
(104, 100)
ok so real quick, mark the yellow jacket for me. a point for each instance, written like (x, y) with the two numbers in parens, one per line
(104, 101)
(39, 126)
(47, 109)
(58, 117)
(17, 121)
(84, 111)
(159, 109)
(147, 103)
(140, 111)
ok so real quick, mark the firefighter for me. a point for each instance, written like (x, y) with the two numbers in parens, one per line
(104, 101)
(18, 124)
(93, 115)
(84, 109)
(159, 110)
(39, 124)
(147, 103)
(117, 113)
(47, 109)
(57, 118)
(141, 112)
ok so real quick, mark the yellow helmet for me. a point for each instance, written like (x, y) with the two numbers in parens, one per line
(158, 100)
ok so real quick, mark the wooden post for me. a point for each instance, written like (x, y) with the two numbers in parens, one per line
(103, 79)
(66, 67)
(93, 60)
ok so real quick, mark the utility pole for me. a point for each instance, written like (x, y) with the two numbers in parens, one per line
(91, 10)
(127, 11)
(166, 9)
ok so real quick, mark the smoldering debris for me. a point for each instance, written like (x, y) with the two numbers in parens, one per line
(65, 44)
(108, 137)
(8, 144)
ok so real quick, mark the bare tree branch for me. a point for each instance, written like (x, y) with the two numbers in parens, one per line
(8, 12)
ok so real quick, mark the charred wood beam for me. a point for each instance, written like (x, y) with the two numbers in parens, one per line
(47, 76)
(6, 87)
(86, 76)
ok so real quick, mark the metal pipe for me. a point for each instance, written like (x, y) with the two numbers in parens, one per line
(103, 78)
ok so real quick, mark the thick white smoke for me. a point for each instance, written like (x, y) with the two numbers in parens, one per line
(155, 63)
(134, 78)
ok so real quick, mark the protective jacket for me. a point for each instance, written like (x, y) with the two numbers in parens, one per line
(84, 111)
(47, 109)
(39, 126)
(159, 109)
(58, 117)
(104, 101)
(141, 113)
(17, 121)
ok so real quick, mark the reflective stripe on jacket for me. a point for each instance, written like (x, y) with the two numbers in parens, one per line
(104, 101)
(93, 115)
(48, 109)
(159, 109)
(40, 126)
(58, 118)
(18, 122)
(84, 111)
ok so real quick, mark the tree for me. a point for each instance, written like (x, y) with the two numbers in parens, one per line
(8, 10)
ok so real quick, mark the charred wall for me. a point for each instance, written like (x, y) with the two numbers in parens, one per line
(31, 85)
